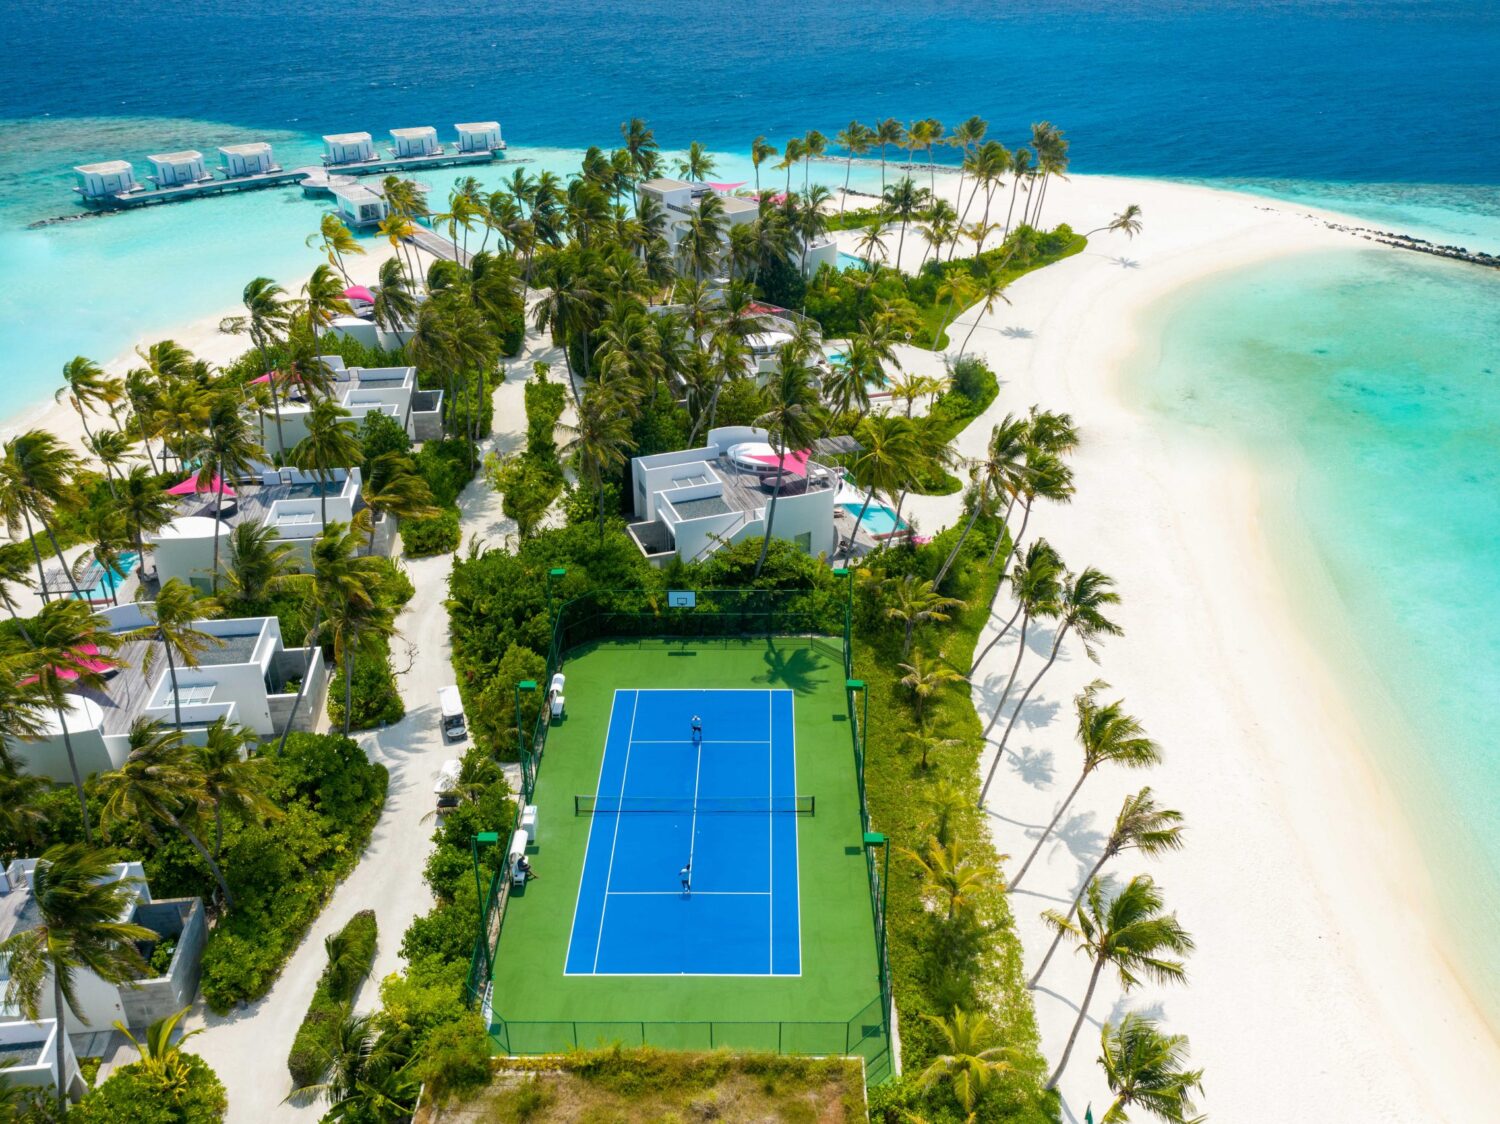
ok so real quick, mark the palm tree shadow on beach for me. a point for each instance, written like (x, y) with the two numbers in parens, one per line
(1126, 263)
(1016, 333)
(801, 669)
(1034, 766)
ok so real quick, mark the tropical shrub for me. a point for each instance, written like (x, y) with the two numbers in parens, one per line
(132, 1093)
(436, 534)
(376, 701)
(354, 947)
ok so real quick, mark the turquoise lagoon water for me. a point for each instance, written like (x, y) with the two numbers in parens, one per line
(1366, 387)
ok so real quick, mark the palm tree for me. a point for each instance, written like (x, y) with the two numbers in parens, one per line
(332, 442)
(1128, 932)
(367, 1074)
(229, 776)
(888, 458)
(397, 489)
(1052, 159)
(949, 872)
(78, 907)
(163, 1060)
(814, 144)
(112, 449)
(14, 570)
(227, 452)
(967, 1064)
(259, 564)
(924, 679)
(1141, 825)
(790, 421)
(72, 647)
(1020, 164)
(21, 819)
(159, 783)
(1108, 736)
(601, 439)
(336, 240)
(855, 140)
(349, 597)
(395, 305)
(903, 199)
(145, 504)
(1127, 222)
(266, 319)
(1038, 591)
(1148, 1068)
(23, 707)
(887, 132)
(322, 300)
(83, 387)
(998, 473)
(697, 164)
(791, 156)
(175, 612)
(965, 138)
(1080, 610)
(36, 475)
(872, 242)
(760, 152)
(925, 134)
(988, 288)
(917, 602)
(640, 143)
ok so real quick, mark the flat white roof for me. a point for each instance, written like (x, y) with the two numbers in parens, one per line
(739, 203)
(254, 148)
(354, 193)
(667, 184)
(419, 131)
(182, 157)
(105, 168)
(477, 126)
(346, 138)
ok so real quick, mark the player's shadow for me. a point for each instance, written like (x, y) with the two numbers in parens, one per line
(802, 669)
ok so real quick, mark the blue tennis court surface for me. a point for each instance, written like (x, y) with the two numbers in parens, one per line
(726, 803)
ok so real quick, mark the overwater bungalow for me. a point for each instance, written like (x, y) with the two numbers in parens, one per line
(479, 136)
(421, 141)
(358, 205)
(253, 159)
(175, 169)
(105, 179)
(347, 148)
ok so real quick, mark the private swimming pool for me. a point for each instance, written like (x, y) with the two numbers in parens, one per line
(879, 520)
(111, 581)
(849, 261)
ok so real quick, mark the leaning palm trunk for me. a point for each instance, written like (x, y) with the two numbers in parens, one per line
(265, 362)
(57, 550)
(1015, 185)
(192, 837)
(41, 577)
(301, 687)
(1020, 706)
(172, 671)
(62, 1037)
(999, 636)
(1051, 826)
(83, 803)
(349, 682)
(1011, 682)
(1072, 909)
(1083, 1010)
(959, 545)
(860, 518)
(765, 545)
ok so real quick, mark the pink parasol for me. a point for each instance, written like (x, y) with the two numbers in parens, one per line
(795, 463)
(80, 660)
(195, 483)
(723, 187)
(359, 293)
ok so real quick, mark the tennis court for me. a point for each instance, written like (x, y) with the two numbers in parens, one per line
(691, 863)
(774, 948)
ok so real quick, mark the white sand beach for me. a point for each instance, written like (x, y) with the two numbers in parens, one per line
(1318, 990)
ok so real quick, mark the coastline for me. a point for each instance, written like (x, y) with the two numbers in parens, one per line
(1318, 941)
(1315, 934)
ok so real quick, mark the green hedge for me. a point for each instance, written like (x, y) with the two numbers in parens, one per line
(282, 871)
(132, 1094)
(376, 700)
(447, 466)
(436, 534)
(333, 998)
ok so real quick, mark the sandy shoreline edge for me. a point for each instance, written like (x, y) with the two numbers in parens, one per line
(1316, 943)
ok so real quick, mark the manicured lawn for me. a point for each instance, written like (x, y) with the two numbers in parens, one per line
(831, 1007)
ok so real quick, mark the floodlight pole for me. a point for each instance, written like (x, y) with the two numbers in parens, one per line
(552, 575)
(864, 721)
(848, 576)
(521, 747)
(487, 838)
(877, 839)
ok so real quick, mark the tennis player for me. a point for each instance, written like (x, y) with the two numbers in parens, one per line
(686, 874)
(697, 728)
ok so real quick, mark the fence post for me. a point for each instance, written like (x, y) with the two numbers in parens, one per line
(487, 838)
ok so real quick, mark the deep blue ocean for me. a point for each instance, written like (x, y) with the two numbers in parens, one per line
(1377, 371)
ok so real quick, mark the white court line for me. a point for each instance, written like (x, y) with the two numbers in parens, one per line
(693, 827)
(589, 842)
(696, 893)
(702, 741)
(796, 843)
(609, 873)
(771, 832)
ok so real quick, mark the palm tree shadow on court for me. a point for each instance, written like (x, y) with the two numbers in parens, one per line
(802, 669)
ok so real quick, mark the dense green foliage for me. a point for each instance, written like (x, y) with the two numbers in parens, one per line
(283, 872)
(132, 1094)
(447, 466)
(354, 947)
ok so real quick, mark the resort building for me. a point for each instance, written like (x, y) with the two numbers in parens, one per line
(422, 141)
(357, 205)
(362, 390)
(32, 1049)
(691, 502)
(111, 177)
(248, 678)
(176, 169)
(347, 148)
(680, 199)
(253, 159)
(479, 136)
(99, 1003)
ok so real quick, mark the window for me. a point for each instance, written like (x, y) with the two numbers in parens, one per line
(804, 542)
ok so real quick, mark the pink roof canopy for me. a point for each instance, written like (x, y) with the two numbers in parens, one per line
(195, 483)
(359, 293)
(80, 660)
(795, 463)
(720, 187)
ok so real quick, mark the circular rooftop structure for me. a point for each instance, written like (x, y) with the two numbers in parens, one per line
(82, 714)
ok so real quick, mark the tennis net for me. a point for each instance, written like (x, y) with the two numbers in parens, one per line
(592, 805)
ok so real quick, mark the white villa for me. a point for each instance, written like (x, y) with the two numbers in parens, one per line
(479, 136)
(691, 502)
(680, 200)
(110, 177)
(41, 1054)
(253, 159)
(347, 148)
(357, 205)
(421, 141)
(174, 169)
(363, 390)
(250, 678)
